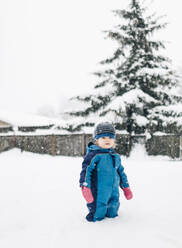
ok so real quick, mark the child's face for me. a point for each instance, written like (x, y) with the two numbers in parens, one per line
(105, 142)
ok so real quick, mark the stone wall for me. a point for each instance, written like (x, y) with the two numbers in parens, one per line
(75, 144)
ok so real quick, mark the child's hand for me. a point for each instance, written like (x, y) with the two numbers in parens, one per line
(87, 194)
(128, 193)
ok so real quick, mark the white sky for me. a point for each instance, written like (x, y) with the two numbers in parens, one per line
(48, 48)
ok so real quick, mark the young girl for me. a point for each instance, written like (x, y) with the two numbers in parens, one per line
(102, 174)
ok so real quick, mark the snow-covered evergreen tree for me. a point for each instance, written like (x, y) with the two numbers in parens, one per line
(136, 87)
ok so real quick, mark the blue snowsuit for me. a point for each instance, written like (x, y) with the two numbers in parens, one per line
(103, 173)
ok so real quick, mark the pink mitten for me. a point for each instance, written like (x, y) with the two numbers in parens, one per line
(87, 194)
(128, 194)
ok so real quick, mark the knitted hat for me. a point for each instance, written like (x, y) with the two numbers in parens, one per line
(104, 129)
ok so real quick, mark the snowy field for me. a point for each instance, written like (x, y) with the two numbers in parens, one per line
(41, 204)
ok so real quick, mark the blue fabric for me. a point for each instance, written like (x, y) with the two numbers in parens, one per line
(103, 172)
(112, 136)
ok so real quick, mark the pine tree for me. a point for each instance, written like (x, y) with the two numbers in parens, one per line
(136, 84)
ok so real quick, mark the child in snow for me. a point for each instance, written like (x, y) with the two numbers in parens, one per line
(102, 174)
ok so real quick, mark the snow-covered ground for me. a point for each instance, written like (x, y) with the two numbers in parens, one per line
(41, 204)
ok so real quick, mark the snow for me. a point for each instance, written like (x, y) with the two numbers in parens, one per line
(172, 109)
(41, 204)
(17, 118)
(163, 111)
(130, 97)
(141, 120)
